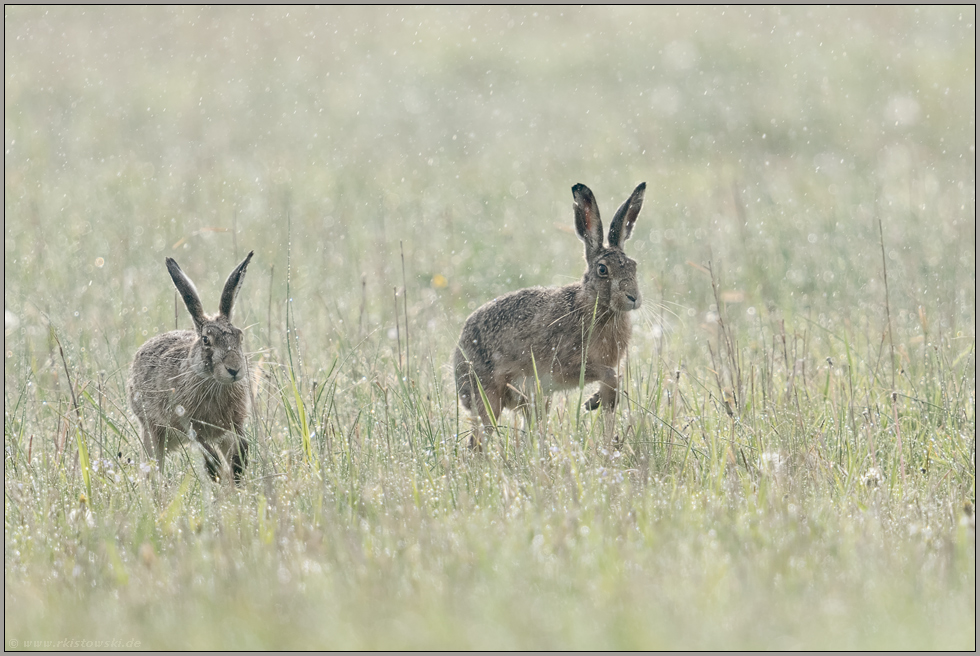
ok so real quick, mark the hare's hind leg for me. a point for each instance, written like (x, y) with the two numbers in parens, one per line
(535, 406)
(535, 409)
(468, 390)
(488, 406)
(542, 406)
(155, 444)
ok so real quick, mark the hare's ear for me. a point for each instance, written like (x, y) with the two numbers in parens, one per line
(232, 285)
(622, 223)
(587, 221)
(188, 292)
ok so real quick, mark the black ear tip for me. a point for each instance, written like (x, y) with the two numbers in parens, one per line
(172, 264)
(581, 191)
(641, 187)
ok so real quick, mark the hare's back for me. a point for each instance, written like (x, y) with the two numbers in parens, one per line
(160, 344)
(507, 327)
(515, 311)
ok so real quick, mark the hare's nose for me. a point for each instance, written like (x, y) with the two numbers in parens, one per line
(232, 372)
(631, 298)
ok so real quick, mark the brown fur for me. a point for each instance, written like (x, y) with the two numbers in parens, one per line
(540, 334)
(191, 387)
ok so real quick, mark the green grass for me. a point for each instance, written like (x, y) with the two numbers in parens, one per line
(799, 466)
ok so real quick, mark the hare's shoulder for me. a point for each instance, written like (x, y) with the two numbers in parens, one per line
(164, 343)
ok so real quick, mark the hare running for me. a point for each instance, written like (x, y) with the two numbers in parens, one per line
(191, 386)
(556, 337)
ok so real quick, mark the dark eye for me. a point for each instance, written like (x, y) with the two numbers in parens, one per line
(603, 270)
(206, 340)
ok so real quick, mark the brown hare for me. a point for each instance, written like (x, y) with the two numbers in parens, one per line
(192, 387)
(556, 337)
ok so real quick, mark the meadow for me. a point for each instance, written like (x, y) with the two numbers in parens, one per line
(798, 467)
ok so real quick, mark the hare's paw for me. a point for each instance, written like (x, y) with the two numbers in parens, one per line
(475, 441)
(239, 460)
(213, 462)
(617, 442)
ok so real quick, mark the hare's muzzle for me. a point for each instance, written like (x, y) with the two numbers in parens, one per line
(230, 369)
(625, 300)
(235, 373)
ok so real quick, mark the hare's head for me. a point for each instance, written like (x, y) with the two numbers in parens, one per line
(219, 342)
(611, 274)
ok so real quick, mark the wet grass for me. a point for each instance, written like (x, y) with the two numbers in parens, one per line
(800, 425)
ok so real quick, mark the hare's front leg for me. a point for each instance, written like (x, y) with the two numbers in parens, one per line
(607, 396)
(608, 386)
(228, 458)
(237, 453)
(214, 461)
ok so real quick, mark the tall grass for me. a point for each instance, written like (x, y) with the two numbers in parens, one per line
(798, 467)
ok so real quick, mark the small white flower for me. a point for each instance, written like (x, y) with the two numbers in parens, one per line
(83, 514)
(872, 477)
(771, 462)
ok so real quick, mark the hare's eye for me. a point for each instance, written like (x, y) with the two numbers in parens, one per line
(206, 340)
(603, 270)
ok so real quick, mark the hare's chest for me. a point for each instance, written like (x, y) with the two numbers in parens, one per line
(202, 419)
(609, 345)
